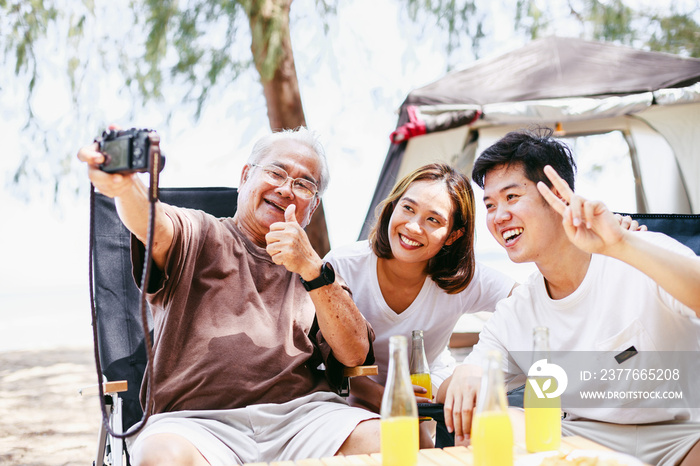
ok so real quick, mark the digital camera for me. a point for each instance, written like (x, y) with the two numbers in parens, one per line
(127, 151)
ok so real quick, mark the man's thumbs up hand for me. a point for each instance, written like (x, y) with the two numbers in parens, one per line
(288, 245)
(290, 214)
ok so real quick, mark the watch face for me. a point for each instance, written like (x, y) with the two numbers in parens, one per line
(328, 273)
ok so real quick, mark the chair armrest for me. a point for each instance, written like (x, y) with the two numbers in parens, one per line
(463, 339)
(107, 387)
(359, 371)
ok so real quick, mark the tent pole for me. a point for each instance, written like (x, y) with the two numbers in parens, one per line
(639, 192)
(465, 162)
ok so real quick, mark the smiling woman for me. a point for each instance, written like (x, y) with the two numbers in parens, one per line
(418, 272)
(435, 201)
(421, 224)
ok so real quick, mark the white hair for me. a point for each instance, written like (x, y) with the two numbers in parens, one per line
(302, 135)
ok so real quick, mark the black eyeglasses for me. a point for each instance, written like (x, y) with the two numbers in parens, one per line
(278, 176)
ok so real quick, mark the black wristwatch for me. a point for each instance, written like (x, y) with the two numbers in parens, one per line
(326, 278)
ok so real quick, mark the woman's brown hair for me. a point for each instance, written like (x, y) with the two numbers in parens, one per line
(452, 268)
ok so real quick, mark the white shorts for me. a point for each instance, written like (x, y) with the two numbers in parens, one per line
(312, 426)
(664, 443)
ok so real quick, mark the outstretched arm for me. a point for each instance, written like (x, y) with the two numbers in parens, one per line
(593, 228)
(340, 321)
(131, 199)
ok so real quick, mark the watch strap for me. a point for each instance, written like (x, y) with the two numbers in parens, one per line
(326, 277)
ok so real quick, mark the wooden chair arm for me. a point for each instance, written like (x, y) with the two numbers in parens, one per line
(359, 371)
(108, 387)
(463, 339)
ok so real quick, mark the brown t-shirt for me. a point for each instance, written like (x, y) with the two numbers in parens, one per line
(231, 328)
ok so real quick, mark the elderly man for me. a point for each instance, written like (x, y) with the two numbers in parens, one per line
(234, 301)
(599, 288)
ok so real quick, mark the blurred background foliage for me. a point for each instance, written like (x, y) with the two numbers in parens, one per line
(183, 54)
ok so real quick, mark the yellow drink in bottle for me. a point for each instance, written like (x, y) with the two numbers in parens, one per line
(542, 420)
(399, 441)
(423, 380)
(492, 439)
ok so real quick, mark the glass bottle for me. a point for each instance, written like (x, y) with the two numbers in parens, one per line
(492, 432)
(420, 372)
(542, 415)
(399, 412)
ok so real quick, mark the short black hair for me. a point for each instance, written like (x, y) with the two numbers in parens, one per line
(532, 149)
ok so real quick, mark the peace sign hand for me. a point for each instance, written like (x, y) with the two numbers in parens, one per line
(589, 225)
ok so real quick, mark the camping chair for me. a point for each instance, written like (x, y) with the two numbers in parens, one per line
(121, 339)
(684, 228)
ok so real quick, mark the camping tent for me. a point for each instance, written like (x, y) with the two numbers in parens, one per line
(582, 88)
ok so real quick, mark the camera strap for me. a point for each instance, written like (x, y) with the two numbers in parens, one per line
(154, 170)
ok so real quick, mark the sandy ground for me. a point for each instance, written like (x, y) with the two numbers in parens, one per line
(43, 419)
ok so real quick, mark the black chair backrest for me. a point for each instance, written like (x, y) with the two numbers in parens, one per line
(684, 228)
(119, 329)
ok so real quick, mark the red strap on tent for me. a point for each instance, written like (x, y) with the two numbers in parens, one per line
(414, 127)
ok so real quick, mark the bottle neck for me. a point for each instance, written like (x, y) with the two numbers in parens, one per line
(398, 360)
(398, 399)
(540, 344)
(492, 395)
(419, 362)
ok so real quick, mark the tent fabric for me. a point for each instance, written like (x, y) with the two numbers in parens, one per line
(557, 67)
(686, 95)
(678, 124)
(563, 109)
(423, 120)
(441, 117)
(415, 126)
(558, 80)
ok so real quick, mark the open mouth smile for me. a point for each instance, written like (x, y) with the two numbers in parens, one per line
(511, 235)
(274, 205)
(409, 242)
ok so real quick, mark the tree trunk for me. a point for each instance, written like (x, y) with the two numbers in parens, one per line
(272, 51)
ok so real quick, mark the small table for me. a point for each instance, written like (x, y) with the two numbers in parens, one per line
(449, 456)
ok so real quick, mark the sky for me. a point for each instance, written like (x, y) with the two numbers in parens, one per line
(352, 82)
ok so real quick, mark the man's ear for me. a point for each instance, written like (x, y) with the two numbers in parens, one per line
(556, 192)
(312, 209)
(244, 174)
(454, 236)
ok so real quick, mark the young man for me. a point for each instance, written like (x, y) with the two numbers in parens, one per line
(233, 302)
(599, 288)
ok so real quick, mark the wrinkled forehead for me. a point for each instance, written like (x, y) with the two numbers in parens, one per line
(294, 156)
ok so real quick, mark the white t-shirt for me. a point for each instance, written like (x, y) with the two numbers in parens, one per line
(615, 307)
(433, 311)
